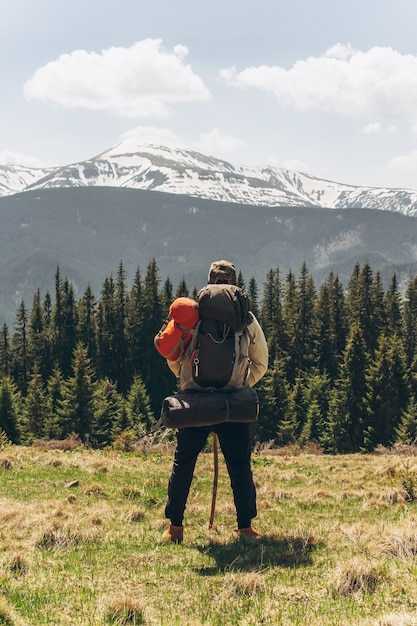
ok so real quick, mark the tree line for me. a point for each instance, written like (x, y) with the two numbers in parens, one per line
(342, 369)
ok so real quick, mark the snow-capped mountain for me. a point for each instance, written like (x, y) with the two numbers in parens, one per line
(15, 178)
(183, 171)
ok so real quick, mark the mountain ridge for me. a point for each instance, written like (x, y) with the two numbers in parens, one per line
(187, 172)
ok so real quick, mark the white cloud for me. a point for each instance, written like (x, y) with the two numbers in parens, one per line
(379, 83)
(152, 135)
(371, 129)
(376, 128)
(405, 164)
(140, 81)
(216, 143)
(17, 158)
(212, 142)
(295, 165)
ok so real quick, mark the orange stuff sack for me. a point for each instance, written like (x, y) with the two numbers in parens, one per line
(175, 333)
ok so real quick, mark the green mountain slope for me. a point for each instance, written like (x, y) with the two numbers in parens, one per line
(87, 231)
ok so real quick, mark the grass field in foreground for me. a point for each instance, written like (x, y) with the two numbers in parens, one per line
(80, 541)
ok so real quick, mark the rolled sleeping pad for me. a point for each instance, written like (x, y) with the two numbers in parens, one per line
(206, 408)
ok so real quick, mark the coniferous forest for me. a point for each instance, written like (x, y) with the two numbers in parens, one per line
(342, 370)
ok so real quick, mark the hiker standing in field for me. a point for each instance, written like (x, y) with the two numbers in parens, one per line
(234, 437)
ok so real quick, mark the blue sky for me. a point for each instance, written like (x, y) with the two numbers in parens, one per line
(323, 87)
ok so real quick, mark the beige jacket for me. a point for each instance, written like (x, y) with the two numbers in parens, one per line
(252, 364)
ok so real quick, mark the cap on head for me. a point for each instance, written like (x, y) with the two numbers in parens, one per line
(222, 272)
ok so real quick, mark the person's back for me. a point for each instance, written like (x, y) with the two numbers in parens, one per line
(234, 437)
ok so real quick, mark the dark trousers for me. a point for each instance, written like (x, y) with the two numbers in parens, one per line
(235, 444)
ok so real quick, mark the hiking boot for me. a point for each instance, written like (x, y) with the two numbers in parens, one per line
(173, 534)
(249, 533)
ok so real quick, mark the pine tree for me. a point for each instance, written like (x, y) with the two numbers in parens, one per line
(274, 398)
(138, 408)
(9, 410)
(121, 345)
(108, 406)
(393, 309)
(35, 408)
(77, 408)
(347, 413)
(300, 322)
(365, 306)
(39, 340)
(327, 359)
(182, 290)
(20, 365)
(87, 330)
(253, 294)
(271, 316)
(64, 324)
(388, 395)
(107, 366)
(410, 323)
(167, 296)
(153, 369)
(406, 432)
(240, 281)
(55, 422)
(5, 351)
(134, 323)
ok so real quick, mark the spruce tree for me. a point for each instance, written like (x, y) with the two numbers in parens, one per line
(139, 413)
(271, 316)
(347, 413)
(36, 409)
(108, 407)
(55, 422)
(273, 393)
(182, 290)
(20, 365)
(77, 408)
(87, 329)
(135, 323)
(9, 410)
(406, 432)
(300, 322)
(5, 351)
(393, 309)
(121, 345)
(154, 371)
(253, 294)
(388, 393)
(410, 323)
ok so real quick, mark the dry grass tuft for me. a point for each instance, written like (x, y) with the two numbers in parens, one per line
(94, 490)
(6, 618)
(357, 575)
(393, 619)
(6, 464)
(251, 585)
(395, 495)
(18, 565)
(400, 545)
(134, 514)
(72, 442)
(124, 611)
(52, 539)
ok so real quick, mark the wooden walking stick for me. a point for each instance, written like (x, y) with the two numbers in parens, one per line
(215, 478)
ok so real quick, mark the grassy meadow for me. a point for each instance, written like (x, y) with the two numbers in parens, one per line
(80, 540)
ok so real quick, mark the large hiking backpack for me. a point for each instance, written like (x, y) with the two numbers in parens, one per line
(215, 349)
